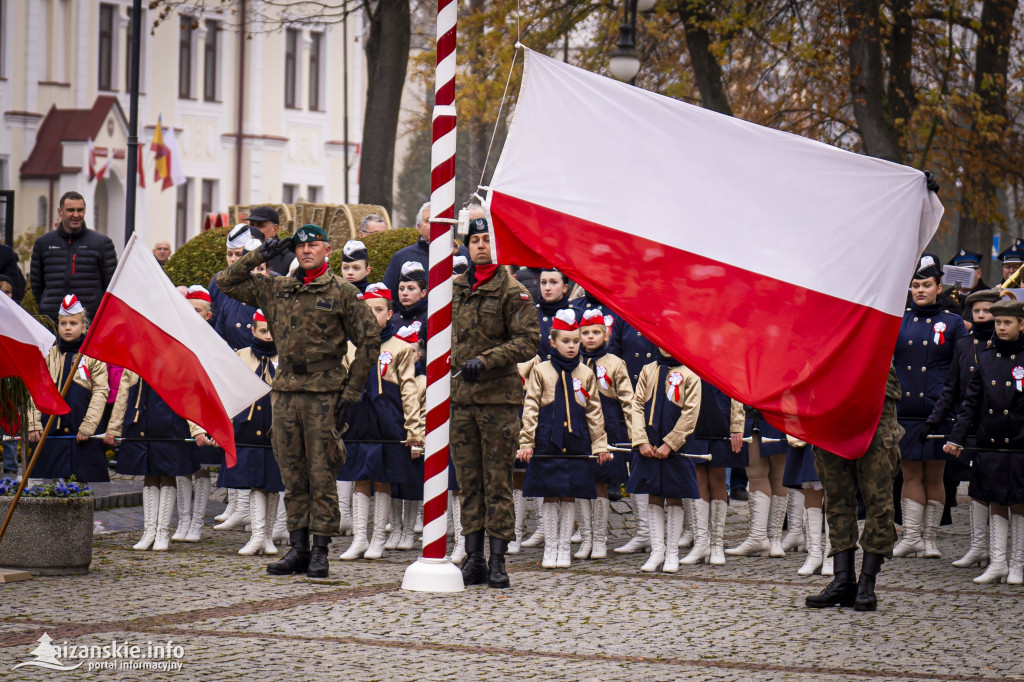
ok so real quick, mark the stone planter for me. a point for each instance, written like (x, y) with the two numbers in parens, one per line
(47, 535)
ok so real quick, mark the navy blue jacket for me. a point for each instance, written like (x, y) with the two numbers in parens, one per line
(924, 354)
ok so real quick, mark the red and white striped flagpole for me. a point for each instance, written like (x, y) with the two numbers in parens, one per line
(433, 572)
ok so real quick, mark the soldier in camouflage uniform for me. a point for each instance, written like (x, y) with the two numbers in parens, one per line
(873, 475)
(494, 327)
(312, 315)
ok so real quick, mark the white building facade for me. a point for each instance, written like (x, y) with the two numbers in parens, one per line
(64, 77)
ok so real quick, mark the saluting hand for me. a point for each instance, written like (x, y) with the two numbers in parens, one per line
(272, 248)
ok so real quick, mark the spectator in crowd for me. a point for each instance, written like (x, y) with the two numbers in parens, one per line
(372, 223)
(71, 260)
(10, 271)
(162, 253)
(265, 224)
(419, 252)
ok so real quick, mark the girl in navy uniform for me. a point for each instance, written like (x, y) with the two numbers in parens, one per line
(924, 354)
(412, 296)
(562, 427)
(720, 419)
(355, 268)
(76, 453)
(665, 410)
(554, 296)
(769, 499)
(389, 410)
(256, 468)
(140, 413)
(994, 405)
(800, 474)
(407, 495)
(965, 363)
(193, 492)
(616, 393)
(233, 319)
(355, 264)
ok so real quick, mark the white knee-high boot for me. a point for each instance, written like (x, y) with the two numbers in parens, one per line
(458, 539)
(913, 520)
(641, 540)
(656, 524)
(201, 487)
(757, 539)
(537, 539)
(689, 523)
(701, 549)
(566, 519)
(716, 531)
(673, 529)
(240, 517)
(826, 560)
(776, 518)
(345, 506)
(183, 486)
(549, 522)
(258, 522)
(978, 551)
(229, 509)
(519, 504)
(150, 510)
(600, 548)
(381, 509)
(168, 497)
(409, 510)
(395, 519)
(360, 523)
(586, 520)
(271, 520)
(932, 517)
(812, 524)
(794, 539)
(280, 532)
(1015, 563)
(998, 568)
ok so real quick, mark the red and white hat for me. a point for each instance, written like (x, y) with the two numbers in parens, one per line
(565, 320)
(593, 317)
(258, 316)
(409, 333)
(198, 291)
(71, 306)
(377, 290)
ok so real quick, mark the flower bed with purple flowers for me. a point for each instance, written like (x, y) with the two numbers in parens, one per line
(59, 488)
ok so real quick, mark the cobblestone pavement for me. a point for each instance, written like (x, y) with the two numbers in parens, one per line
(598, 620)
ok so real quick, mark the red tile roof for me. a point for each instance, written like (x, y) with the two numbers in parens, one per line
(65, 125)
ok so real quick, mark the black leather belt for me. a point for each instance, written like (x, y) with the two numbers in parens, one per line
(307, 367)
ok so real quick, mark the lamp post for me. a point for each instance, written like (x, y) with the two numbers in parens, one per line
(624, 62)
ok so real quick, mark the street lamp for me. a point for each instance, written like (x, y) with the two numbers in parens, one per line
(624, 62)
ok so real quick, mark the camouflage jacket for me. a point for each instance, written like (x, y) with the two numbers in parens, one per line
(311, 326)
(496, 323)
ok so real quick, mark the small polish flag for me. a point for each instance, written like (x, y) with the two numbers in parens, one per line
(145, 325)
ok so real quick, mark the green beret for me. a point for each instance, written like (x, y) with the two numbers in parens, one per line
(309, 233)
(1008, 308)
(982, 296)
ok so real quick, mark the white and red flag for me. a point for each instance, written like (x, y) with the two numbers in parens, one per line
(94, 172)
(774, 266)
(145, 325)
(23, 347)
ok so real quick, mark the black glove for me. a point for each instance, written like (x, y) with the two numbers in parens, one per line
(341, 415)
(931, 182)
(471, 369)
(272, 248)
(926, 430)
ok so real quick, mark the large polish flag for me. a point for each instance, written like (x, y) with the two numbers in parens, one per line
(774, 266)
(23, 347)
(144, 324)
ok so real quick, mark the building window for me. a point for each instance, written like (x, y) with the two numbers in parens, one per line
(288, 193)
(128, 51)
(41, 213)
(185, 58)
(210, 62)
(208, 197)
(313, 192)
(291, 51)
(181, 230)
(106, 57)
(315, 62)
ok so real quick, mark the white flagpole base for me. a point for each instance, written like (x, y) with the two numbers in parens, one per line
(433, 575)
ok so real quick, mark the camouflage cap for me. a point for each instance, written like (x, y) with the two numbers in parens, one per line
(309, 233)
(1007, 308)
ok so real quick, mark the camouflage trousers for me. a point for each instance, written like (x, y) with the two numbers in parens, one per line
(873, 475)
(484, 439)
(309, 457)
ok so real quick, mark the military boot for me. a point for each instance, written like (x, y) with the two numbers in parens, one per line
(318, 567)
(474, 570)
(842, 591)
(869, 568)
(297, 558)
(498, 577)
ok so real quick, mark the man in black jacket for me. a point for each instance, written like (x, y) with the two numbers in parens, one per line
(71, 260)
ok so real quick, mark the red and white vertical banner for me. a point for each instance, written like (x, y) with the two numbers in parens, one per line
(439, 303)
